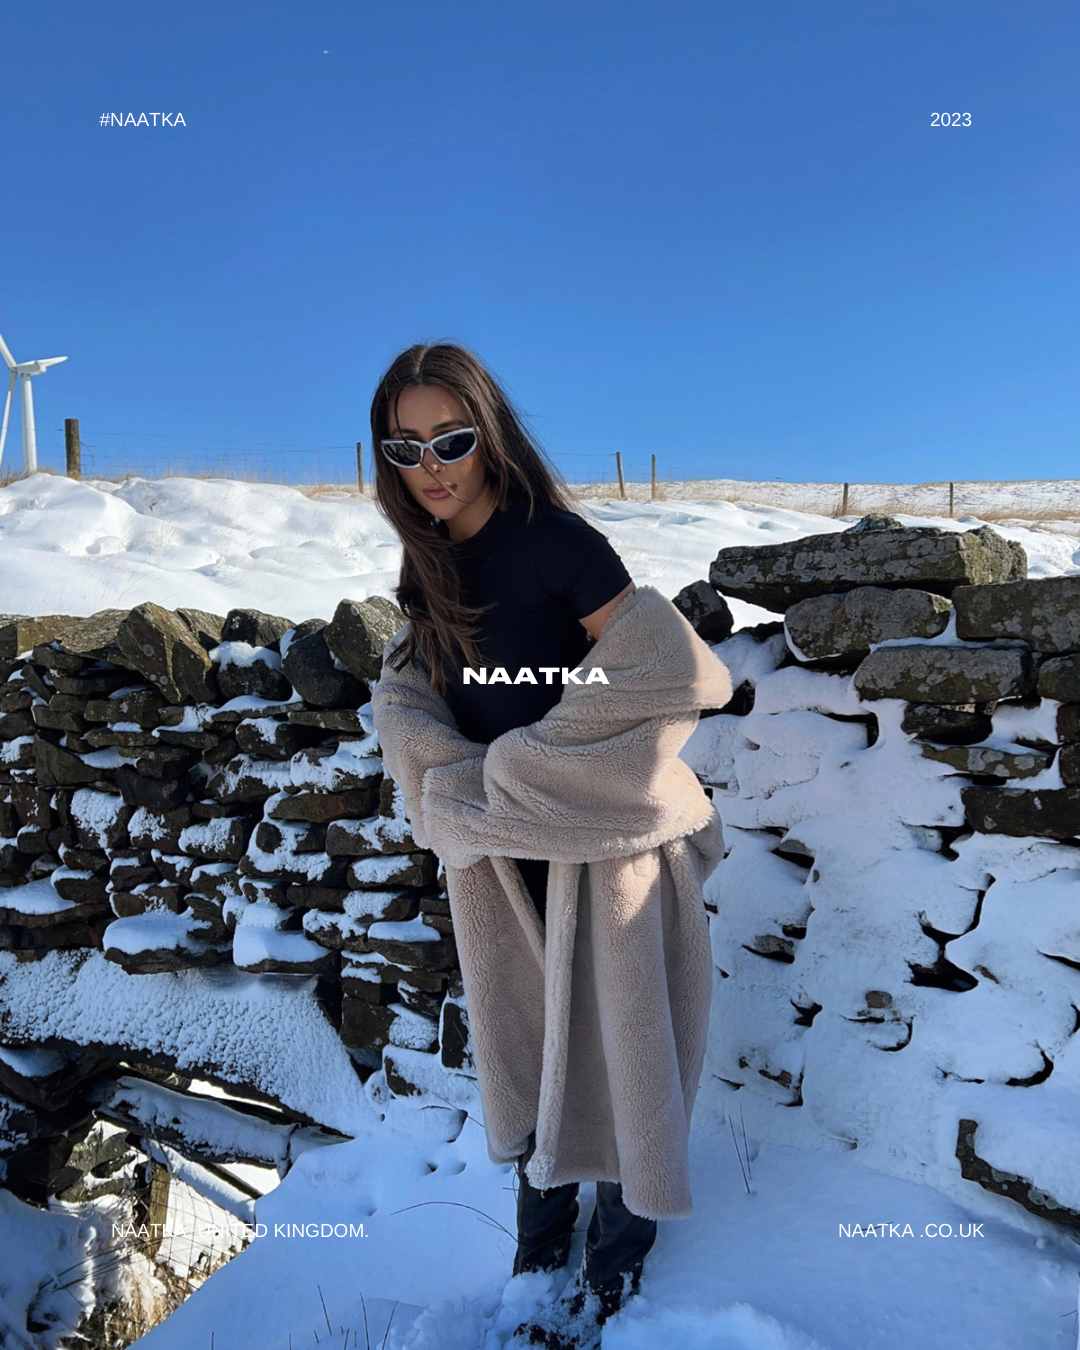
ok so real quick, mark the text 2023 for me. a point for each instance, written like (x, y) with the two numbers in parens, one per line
(958, 120)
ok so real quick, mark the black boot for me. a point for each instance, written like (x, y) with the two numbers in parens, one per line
(617, 1241)
(545, 1221)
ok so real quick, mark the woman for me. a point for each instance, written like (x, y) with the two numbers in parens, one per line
(499, 575)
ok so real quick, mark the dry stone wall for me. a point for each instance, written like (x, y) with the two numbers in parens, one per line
(893, 923)
(181, 790)
(896, 922)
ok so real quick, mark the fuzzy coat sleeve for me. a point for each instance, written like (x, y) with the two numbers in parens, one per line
(599, 775)
(417, 732)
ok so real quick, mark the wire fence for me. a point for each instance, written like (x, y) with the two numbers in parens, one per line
(683, 476)
(117, 455)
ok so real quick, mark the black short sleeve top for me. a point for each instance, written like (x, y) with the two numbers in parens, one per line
(542, 577)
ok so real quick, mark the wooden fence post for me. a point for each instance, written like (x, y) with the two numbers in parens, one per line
(843, 504)
(360, 466)
(653, 495)
(618, 465)
(952, 500)
(72, 448)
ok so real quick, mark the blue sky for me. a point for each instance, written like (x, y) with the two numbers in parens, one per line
(726, 233)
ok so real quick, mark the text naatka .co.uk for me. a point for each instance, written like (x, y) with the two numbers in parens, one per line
(526, 675)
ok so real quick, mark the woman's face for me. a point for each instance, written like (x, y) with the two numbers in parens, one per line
(444, 490)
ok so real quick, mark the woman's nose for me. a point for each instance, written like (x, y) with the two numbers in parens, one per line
(430, 462)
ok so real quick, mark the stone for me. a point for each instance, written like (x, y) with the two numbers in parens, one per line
(849, 624)
(94, 637)
(160, 646)
(276, 740)
(63, 712)
(454, 1037)
(166, 761)
(706, 611)
(53, 657)
(310, 666)
(326, 807)
(101, 819)
(377, 906)
(1069, 764)
(31, 805)
(395, 869)
(1045, 613)
(1033, 1198)
(1042, 813)
(158, 829)
(989, 763)
(102, 737)
(128, 868)
(158, 960)
(1059, 678)
(156, 794)
(151, 897)
(226, 749)
(190, 740)
(20, 634)
(957, 725)
(142, 706)
(93, 680)
(1068, 723)
(437, 955)
(14, 725)
(221, 840)
(270, 837)
(239, 782)
(329, 719)
(331, 899)
(315, 766)
(776, 576)
(325, 963)
(56, 767)
(254, 627)
(86, 860)
(80, 888)
(206, 628)
(364, 1024)
(260, 676)
(932, 674)
(73, 914)
(366, 838)
(359, 631)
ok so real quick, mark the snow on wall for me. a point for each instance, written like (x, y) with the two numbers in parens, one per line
(849, 870)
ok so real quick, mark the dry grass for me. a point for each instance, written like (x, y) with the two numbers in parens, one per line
(1027, 504)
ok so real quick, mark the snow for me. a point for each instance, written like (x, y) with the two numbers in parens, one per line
(216, 544)
(244, 654)
(96, 812)
(836, 867)
(409, 930)
(151, 931)
(36, 897)
(264, 1030)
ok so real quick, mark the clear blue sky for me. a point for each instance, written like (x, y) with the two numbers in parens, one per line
(724, 232)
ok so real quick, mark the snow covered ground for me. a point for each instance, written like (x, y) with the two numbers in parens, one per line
(765, 1270)
(74, 548)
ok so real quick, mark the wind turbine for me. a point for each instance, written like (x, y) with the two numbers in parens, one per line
(23, 372)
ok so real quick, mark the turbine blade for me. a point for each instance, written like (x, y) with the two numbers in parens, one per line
(7, 414)
(5, 352)
(52, 361)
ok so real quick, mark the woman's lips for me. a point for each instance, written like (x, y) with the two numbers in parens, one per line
(437, 492)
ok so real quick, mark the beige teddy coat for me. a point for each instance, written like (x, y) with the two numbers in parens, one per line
(590, 1028)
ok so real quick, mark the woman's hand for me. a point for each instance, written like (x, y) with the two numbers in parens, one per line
(595, 621)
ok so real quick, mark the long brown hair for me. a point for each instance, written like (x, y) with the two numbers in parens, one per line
(443, 630)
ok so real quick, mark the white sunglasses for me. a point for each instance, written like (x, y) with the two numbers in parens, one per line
(448, 448)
